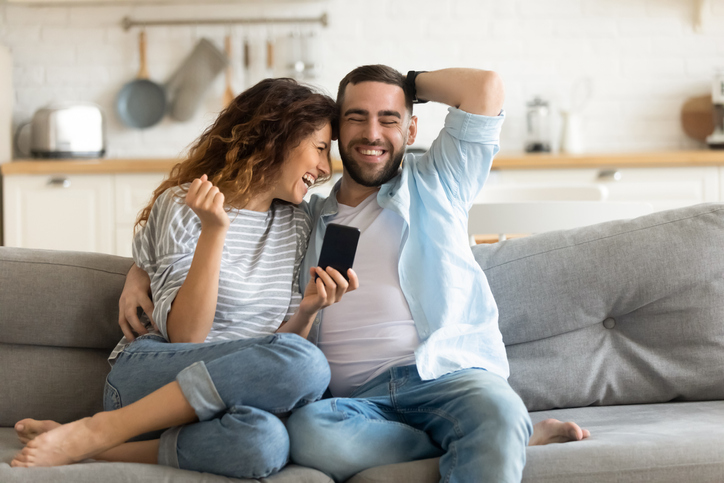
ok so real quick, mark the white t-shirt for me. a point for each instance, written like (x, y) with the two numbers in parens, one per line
(370, 329)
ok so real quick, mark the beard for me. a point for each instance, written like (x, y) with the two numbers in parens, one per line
(356, 172)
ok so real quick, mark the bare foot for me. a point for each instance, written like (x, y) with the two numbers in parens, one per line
(28, 429)
(65, 444)
(554, 431)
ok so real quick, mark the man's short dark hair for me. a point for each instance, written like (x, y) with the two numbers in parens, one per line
(375, 73)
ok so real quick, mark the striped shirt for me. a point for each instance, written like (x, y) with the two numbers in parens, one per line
(259, 276)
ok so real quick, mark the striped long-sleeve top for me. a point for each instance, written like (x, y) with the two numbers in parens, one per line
(259, 276)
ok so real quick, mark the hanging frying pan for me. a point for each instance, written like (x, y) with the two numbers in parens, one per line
(141, 102)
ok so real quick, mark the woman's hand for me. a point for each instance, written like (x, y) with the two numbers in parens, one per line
(327, 289)
(207, 202)
(134, 295)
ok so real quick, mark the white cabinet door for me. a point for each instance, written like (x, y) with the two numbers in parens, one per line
(73, 212)
(133, 193)
(664, 188)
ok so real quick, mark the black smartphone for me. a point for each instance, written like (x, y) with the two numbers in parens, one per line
(338, 248)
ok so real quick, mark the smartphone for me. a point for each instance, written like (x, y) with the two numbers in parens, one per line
(338, 248)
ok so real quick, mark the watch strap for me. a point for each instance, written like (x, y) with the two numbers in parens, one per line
(410, 83)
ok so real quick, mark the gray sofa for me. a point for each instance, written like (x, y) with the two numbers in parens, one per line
(618, 326)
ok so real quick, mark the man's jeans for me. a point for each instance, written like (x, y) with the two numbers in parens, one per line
(237, 388)
(471, 418)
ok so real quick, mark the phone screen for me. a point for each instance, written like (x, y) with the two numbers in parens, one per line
(339, 247)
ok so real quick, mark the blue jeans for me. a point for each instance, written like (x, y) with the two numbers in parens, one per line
(471, 418)
(237, 389)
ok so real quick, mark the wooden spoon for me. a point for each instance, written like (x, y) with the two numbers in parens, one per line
(228, 92)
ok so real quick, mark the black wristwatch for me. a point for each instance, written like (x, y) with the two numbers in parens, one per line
(410, 82)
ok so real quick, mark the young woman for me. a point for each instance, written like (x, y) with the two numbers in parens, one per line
(222, 242)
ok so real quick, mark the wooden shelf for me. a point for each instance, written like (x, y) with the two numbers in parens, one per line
(504, 161)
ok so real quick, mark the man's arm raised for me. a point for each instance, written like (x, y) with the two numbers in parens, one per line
(471, 90)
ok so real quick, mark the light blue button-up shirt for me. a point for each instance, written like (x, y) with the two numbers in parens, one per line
(449, 297)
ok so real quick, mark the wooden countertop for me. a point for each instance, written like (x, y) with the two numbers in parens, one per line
(503, 161)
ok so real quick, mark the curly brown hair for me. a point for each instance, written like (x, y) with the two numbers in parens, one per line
(242, 153)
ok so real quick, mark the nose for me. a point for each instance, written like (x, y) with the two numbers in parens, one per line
(324, 166)
(371, 132)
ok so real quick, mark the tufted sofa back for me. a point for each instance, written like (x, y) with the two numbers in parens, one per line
(624, 312)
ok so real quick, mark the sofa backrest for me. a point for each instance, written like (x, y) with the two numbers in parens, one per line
(58, 323)
(623, 312)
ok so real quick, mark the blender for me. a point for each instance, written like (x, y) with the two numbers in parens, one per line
(716, 139)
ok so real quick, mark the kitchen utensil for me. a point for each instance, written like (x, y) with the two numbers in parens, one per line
(64, 130)
(228, 92)
(270, 57)
(697, 117)
(141, 103)
(716, 139)
(192, 79)
(538, 122)
(572, 132)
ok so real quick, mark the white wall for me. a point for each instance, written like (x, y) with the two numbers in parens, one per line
(644, 56)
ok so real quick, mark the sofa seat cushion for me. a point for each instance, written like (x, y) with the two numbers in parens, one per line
(97, 471)
(670, 442)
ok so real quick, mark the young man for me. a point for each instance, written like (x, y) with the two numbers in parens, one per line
(418, 363)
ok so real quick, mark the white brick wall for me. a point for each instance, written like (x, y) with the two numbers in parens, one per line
(644, 56)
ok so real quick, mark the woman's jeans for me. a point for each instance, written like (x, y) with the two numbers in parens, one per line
(471, 419)
(238, 389)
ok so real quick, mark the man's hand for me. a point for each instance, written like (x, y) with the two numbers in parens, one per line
(135, 294)
(328, 289)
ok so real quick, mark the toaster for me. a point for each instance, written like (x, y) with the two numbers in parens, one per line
(68, 130)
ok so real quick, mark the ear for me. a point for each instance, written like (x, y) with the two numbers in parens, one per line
(412, 131)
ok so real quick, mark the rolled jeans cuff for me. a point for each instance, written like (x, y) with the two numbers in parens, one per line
(167, 455)
(200, 391)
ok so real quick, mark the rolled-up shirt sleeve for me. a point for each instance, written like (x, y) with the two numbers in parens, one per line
(164, 248)
(462, 154)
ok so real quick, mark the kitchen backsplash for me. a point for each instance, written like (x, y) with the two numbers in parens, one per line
(643, 57)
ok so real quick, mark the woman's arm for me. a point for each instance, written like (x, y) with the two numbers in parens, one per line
(192, 311)
(328, 289)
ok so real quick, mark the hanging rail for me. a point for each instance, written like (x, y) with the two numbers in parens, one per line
(129, 23)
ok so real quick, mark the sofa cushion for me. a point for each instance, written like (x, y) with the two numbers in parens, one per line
(623, 312)
(96, 471)
(665, 443)
(59, 298)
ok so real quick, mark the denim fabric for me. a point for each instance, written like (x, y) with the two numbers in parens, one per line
(449, 297)
(471, 418)
(237, 388)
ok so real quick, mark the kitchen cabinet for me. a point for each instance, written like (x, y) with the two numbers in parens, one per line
(59, 212)
(133, 192)
(83, 212)
(664, 188)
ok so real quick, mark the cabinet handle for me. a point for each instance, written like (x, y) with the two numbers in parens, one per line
(59, 182)
(609, 175)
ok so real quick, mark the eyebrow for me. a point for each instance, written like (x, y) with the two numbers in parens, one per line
(364, 112)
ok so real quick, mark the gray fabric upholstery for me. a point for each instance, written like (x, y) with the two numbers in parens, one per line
(62, 384)
(61, 299)
(103, 472)
(659, 279)
(662, 443)
(627, 312)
